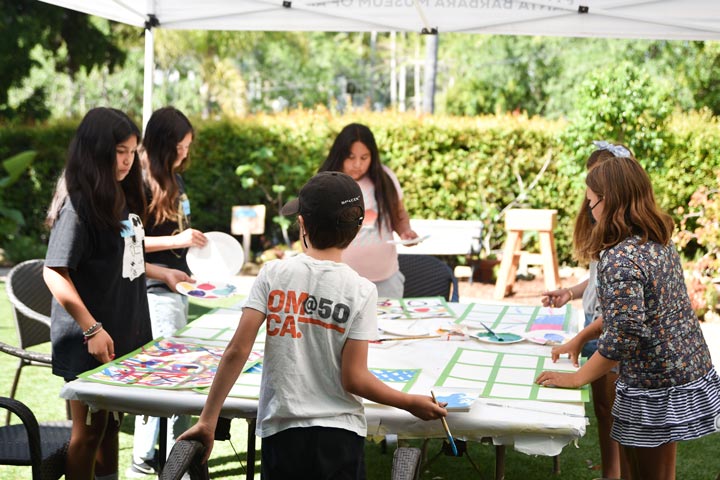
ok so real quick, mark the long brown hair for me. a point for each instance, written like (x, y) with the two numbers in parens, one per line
(584, 221)
(165, 130)
(629, 206)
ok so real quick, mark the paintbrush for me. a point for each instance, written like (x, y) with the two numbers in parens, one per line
(499, 339)
(415, 337)
(445, 427)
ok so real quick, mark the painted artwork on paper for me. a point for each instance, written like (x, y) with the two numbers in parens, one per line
(519, 318)
(165, 363)
(397, 378)
(413, 308)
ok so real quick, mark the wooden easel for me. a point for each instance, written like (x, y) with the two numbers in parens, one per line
(518, 221)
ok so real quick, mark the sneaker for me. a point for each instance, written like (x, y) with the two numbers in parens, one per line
(147, 467)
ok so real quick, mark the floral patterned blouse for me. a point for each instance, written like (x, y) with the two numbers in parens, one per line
(648, 323)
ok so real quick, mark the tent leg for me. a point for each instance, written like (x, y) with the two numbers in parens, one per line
(148, 71)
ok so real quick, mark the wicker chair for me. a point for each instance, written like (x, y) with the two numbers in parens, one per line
(43, 447)
(428, 276)
(31, 301)
(406, 463)
(185, 457)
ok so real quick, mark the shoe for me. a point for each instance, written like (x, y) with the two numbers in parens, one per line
(147, 467)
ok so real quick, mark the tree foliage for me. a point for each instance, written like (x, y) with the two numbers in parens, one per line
(27, 24)
(542, 76)
(234, 73)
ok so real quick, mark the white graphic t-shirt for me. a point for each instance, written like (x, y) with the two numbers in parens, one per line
(133, 260)
(313, 307)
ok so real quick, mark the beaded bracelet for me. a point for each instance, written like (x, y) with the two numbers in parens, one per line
(92, 330)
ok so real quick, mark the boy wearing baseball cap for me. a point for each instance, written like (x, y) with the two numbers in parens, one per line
(319, 316)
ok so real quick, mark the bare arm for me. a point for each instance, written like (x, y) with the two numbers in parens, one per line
(357, 380)
(231, 365)
(402, 224)
(558, 298)
(187, 238)
(169, 276)
(58, 280)
(595, 368)
(574, 346)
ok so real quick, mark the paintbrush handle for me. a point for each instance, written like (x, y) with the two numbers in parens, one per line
(416, 337)
(442, 419)
(445, 427)
(499, 339)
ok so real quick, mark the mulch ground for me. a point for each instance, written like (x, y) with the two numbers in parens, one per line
(525, 291)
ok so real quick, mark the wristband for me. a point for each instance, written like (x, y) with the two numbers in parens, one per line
(92, 330)
(571, 293)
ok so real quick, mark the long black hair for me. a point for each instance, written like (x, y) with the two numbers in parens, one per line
(386, 195)
(89, 178)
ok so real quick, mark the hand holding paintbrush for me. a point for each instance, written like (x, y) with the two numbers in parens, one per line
(557, 298)
(446, 428)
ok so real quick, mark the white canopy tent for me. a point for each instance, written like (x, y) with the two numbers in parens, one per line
(649, 19)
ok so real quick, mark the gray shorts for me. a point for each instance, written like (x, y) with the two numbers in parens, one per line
(391, 287)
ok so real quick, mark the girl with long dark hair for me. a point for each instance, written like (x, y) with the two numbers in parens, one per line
(355, 153)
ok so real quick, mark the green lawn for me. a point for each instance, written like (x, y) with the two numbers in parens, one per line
(697, 460)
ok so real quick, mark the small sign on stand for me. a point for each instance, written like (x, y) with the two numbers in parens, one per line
(247, 220)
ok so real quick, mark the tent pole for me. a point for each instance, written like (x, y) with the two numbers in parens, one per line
(431, 52)
(148, 75)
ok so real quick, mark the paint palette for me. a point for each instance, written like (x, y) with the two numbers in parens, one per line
(548, 337)
(505, 337)
(207, 290)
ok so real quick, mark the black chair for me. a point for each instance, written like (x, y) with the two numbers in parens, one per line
(43, 447)
(428, 276)
(185, 457)
(31, 301)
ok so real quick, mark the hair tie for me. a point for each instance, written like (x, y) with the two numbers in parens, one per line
(616, 150)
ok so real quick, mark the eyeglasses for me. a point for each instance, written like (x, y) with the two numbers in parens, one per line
(596, 204)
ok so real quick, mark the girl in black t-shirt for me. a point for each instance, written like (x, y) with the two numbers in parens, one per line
(164, 157)
(95, 269)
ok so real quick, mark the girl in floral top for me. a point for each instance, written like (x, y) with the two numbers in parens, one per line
(667, 389)
(613, 464)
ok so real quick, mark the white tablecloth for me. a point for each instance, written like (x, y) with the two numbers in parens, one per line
(532, 427)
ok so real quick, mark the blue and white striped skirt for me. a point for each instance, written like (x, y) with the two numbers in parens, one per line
(653, 417)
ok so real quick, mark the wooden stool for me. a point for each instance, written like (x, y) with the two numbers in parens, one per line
(518, 221)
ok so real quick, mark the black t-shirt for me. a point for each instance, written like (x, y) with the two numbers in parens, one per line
(108, 271)
(174, 258)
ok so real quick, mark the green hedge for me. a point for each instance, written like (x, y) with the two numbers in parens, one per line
(456, 168)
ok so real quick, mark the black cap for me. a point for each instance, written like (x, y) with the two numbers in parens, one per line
(324, 197)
